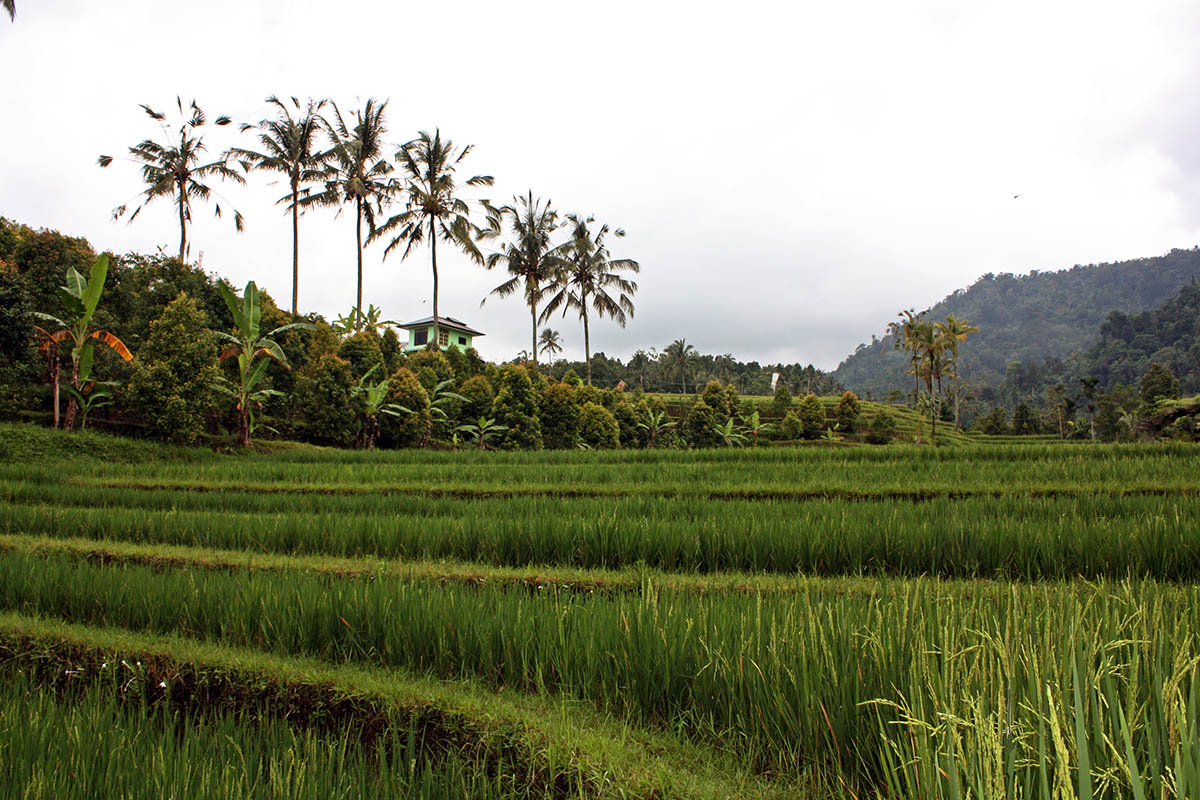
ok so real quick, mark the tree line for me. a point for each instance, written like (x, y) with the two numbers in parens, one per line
(414, 199)
(151, 346)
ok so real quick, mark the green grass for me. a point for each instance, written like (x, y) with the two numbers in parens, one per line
(764, 676)
(548, 743)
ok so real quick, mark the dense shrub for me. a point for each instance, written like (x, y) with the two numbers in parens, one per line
(627, 421)
(390, 348)
(480, 395)
(1025, 421)
(434, 359)
(732, 399)
(175, 373)
(1158, 384)
(598, 428)
(427, 377)
(882, 428)
(994, 424)
(812, 416)
(847, 412)
(714, 397)
(560, 417)
(697, 429)
(516, 407)
(572, 379)
(324, 397)
(406, 430)
(362, 351)
(588, 394)
(792, 427)
(783, 399)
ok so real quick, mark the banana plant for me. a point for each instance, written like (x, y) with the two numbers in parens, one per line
(373, 396)
(482, 430)
(755, 426)
(730, 435)
(439, 399)
(80, 297)
(657, 423)
(248, 345)
(357, 321)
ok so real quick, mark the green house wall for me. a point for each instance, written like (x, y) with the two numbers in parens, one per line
(458, 339)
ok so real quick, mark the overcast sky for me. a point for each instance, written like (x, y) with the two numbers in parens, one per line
(790, 175)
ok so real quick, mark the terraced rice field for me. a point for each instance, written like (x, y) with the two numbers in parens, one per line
(979, 621)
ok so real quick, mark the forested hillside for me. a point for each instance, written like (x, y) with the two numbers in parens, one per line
(1029, 318)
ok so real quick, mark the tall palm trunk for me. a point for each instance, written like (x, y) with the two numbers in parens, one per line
(433, 250)
(587, 346)
(533, 313)
(182, 224)
(358, 240)
(295, 249)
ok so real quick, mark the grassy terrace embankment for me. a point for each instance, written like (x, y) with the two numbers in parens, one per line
(809, 622)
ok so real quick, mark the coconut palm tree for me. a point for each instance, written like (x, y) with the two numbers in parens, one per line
(588, 276)
(550, 342)
(289, 147)
(677, 358)
(174, 169)
(433, 205)
(951, 332)
(529, 258)
(356, 172)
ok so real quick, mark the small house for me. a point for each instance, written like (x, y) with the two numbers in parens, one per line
(451, 333)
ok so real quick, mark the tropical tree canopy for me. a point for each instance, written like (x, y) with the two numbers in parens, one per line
(177, 169)
(432, 204)
(356, 173)
(290, 147)
(589, 277)
(529, 255)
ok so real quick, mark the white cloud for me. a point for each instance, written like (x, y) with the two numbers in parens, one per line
(790, 175)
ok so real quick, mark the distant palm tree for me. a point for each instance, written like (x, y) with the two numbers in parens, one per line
(589, 273)
(638, 366)
(356, 172)
(429, 163)
(677, 358)
(529, 257)
(550, 342)
(289, 147)
(174, 170)
(950, 333)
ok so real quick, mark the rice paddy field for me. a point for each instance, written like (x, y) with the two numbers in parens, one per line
(989, 620)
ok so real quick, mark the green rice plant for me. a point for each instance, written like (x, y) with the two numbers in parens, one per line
(96, 742)
(1003, 537)
(837, 677)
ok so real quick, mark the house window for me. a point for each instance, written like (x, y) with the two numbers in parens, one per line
(421, 337)
(462, 340)
(443, 338)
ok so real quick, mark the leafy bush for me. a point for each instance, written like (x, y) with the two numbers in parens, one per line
(714, 398)
(480, 395)
(632, 436)
(882, 428)
(783, 399)
(598, 428)
(812, 416)
(362, 351)
(434, 359)
(560, 417)
(406, 430)
(1025, 421)
(847, 412)
(994, 424)
(516, 407)
(697, 429)
(175, 373)
(588, 394)
(324, 396)
(572, 379)
(1158, 384)
(792, 427)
